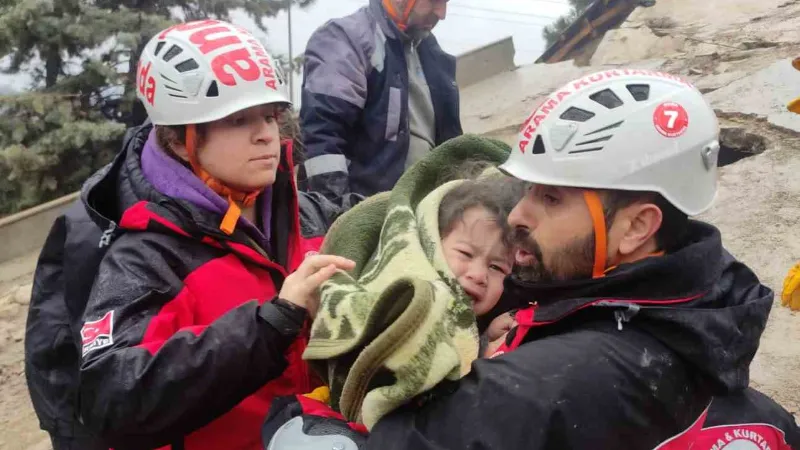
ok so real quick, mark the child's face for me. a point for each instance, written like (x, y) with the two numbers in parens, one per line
(475, 253)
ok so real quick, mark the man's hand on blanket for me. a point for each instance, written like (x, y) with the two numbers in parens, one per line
(301, 422)
(302, 286)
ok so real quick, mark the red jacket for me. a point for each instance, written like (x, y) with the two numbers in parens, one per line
(178, 348)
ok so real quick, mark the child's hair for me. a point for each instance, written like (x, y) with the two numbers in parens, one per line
(498, 194)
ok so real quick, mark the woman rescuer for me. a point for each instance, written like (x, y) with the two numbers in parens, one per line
(196, 316)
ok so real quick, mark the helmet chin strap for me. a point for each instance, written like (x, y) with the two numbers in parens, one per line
(233, 196)
(399, 18)
(600, 233)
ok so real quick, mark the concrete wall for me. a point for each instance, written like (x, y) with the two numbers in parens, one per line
(485, 62)
(26, 231)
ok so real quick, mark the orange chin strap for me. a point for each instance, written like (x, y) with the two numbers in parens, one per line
(400, 19)
(234, 197)
(600, 233)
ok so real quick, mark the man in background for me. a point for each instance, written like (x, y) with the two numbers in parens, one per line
(378, 94)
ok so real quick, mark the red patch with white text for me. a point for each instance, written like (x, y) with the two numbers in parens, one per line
(747, 436)
(98, 334)
(671, 119)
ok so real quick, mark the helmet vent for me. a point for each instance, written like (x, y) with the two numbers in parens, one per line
(159, 46)
(538, 146)
(594, 141)
(640, 92)
(167, 78)
(172, 52)
(610, 127)
(586, 150)
(576, 114)
(213, 90)
(607, 98)
(176, 95)
(189, 64)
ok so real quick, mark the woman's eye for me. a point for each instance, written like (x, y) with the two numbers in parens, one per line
(549, 199)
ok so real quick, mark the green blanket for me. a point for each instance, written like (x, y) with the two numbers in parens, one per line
(399, 323)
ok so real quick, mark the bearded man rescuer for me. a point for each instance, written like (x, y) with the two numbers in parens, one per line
(637, 328)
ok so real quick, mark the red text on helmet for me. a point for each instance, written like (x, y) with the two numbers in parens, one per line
(212, 35)
(147, 84)
(533, 121)
(266, 66)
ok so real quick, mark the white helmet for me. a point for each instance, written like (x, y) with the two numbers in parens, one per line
(203, 71)
(625, 129)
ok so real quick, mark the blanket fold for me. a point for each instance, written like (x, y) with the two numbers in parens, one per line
(399, 323)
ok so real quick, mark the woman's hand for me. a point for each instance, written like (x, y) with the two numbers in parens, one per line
(301, 287)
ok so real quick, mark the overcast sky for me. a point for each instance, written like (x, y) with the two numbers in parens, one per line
(469, 24)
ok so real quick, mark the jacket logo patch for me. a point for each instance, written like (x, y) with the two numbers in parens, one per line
(748, 436)
(108, 234)
(98, 334)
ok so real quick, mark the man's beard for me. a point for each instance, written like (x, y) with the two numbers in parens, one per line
(571, 262)
(420, 27)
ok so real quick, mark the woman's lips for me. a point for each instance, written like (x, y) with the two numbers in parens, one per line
(264, 158)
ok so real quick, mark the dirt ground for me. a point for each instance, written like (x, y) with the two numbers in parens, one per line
(19, 428)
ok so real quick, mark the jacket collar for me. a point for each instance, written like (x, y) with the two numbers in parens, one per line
(386, 23)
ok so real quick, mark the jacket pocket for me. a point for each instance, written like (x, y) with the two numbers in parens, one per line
(393, 114)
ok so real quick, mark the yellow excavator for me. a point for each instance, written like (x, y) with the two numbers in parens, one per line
(790, 297)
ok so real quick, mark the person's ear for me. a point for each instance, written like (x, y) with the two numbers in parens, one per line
(179, 149)
(639, 223)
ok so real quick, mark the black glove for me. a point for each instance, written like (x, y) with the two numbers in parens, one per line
(300, 423)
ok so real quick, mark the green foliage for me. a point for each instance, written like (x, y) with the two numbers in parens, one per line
(83, 70)
(552, 32)
(48, 147)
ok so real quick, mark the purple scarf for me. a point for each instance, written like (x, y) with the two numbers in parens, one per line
(173, 179)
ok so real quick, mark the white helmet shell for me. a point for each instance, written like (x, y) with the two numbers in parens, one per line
(206, 70)
(625, 129)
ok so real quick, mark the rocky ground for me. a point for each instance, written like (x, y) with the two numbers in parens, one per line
(19, 428)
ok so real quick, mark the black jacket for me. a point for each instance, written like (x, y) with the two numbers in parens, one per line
(623, 362)
(92, 236)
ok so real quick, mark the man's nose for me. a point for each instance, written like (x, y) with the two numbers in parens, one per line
(440, 10)
(522, 217)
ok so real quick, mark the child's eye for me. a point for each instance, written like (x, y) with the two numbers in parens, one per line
(271, 118)
(465, 254)
(497, 268)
